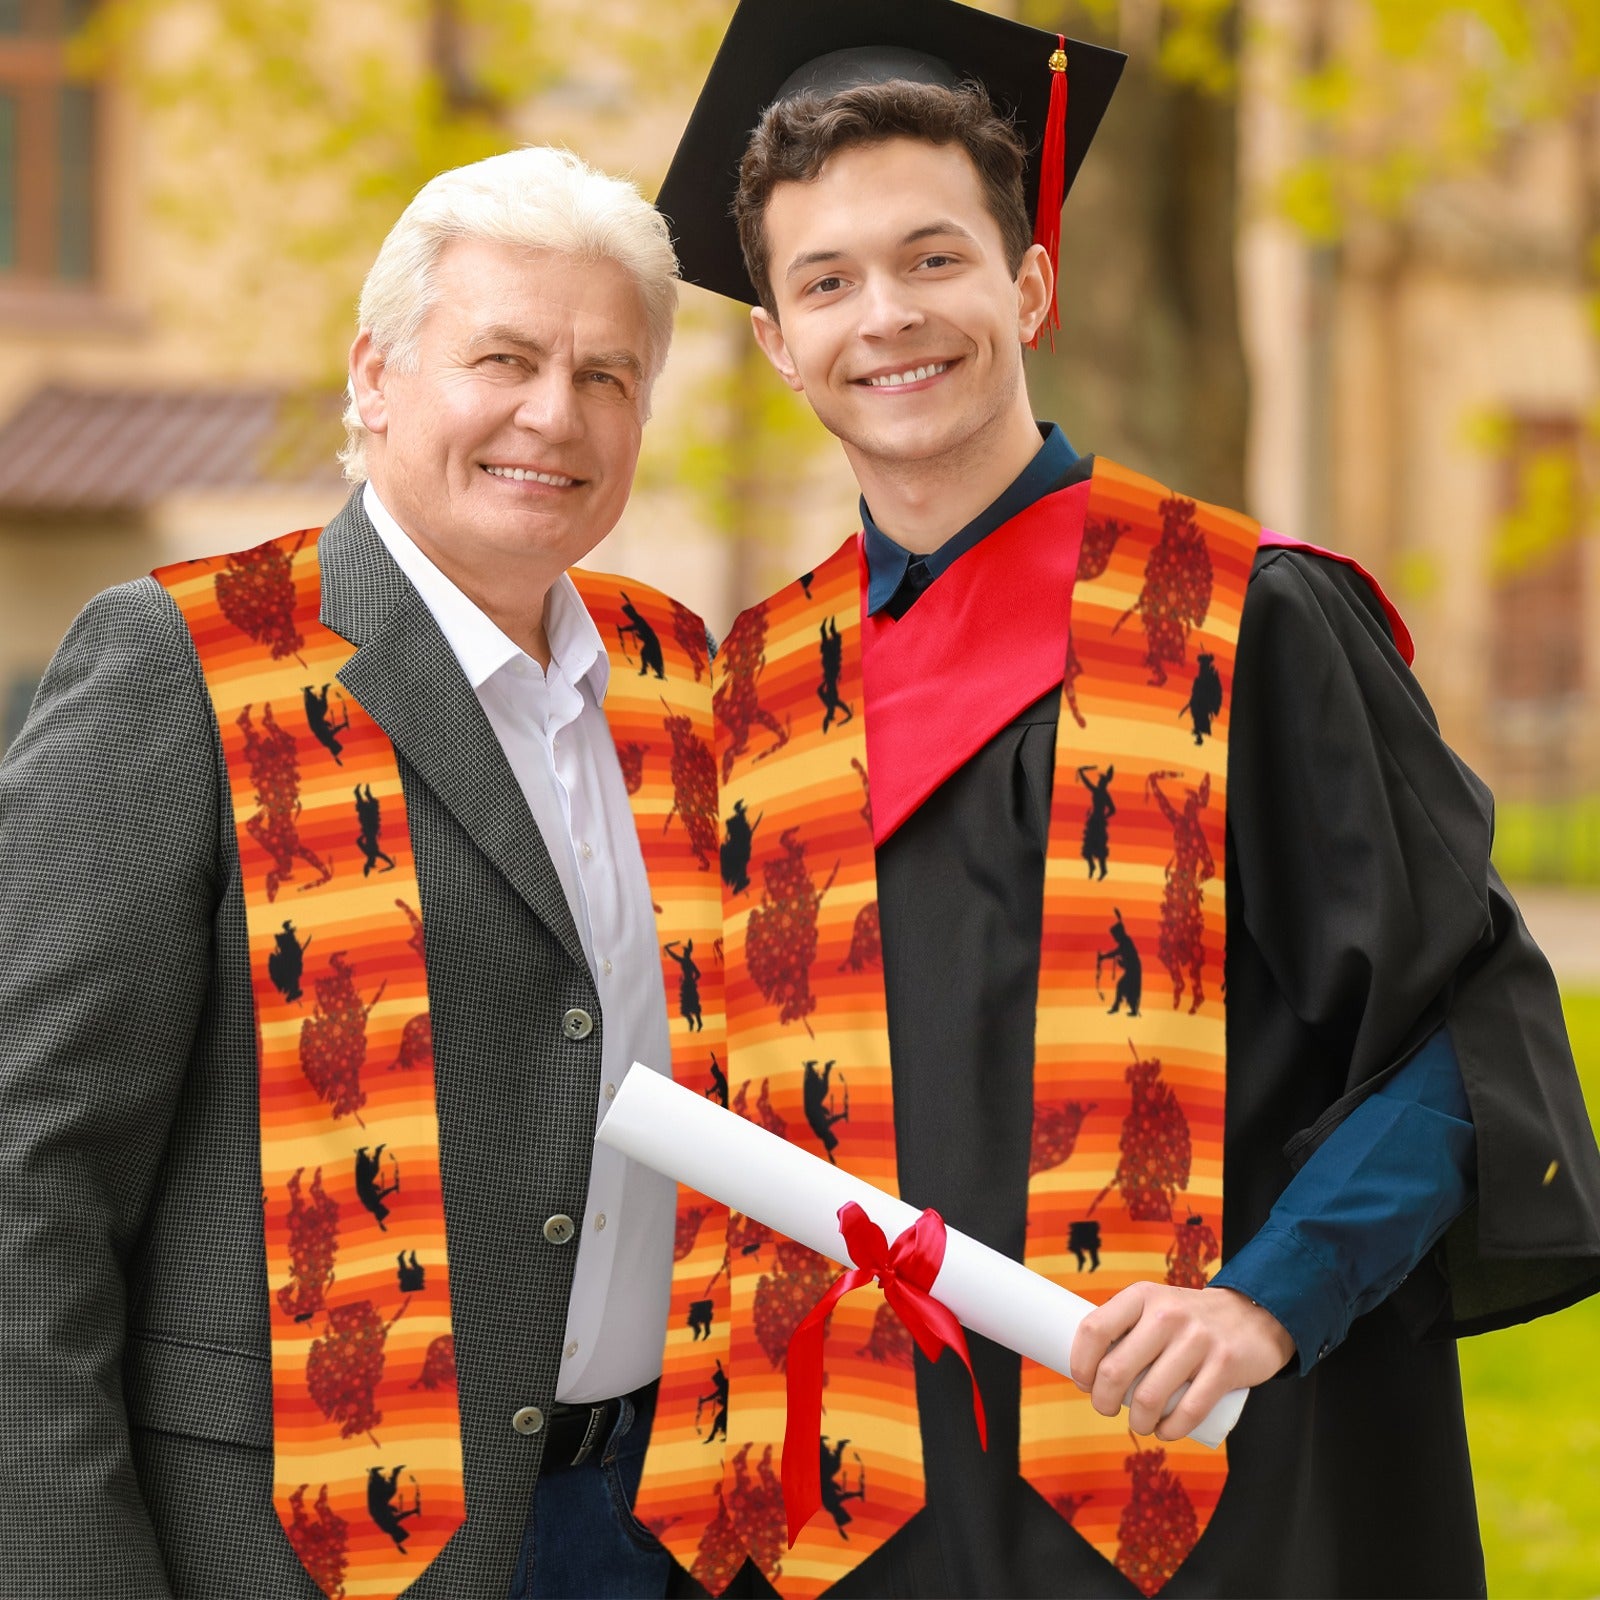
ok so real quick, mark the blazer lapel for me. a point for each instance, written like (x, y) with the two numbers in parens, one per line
(408, 680)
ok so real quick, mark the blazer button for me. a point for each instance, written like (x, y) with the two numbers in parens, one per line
(577, 1024)
(559, 1229)
(530, 1419)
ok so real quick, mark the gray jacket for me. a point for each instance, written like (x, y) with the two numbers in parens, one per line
(136, 1424)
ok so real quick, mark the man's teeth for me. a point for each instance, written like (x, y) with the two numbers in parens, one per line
(912, 376)
(518, 475)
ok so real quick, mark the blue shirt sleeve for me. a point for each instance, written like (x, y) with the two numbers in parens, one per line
(1367, 1206)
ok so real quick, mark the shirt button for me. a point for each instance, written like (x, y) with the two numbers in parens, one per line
(577, 1024)
(530, 1419)
(605, 967)
(559, 1229)
(600, 1222)
(611, 1091)
(588, 851)
(571, 1350)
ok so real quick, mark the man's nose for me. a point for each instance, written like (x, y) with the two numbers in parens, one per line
(887, 307)
(549, 405)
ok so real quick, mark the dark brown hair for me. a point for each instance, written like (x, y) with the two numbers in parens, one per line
(796, 137)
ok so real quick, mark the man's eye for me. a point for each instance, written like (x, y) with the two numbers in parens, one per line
(938, 261)
(826, 285)
(606, 377)
(502, 358)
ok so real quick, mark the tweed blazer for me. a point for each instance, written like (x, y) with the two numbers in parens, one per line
(136, 1423)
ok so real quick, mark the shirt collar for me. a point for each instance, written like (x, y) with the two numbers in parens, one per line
(887, 562)
(476, 640)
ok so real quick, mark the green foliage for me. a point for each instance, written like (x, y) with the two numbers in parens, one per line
(1198, 47)
(1548, 842)
(294, 133)
(1533, 1417)
(1196, 40)
(1416, 575)
(1397, 96)
(1550, 510)
(1309, 198)
(1406, 93)
(743, 442)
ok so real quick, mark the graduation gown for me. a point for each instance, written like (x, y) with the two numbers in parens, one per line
(1362, 912)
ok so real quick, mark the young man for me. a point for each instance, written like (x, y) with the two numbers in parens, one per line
(1289, 953)
(326, 924)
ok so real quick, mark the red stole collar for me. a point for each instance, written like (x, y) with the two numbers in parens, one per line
(979, 646)
(983, 643)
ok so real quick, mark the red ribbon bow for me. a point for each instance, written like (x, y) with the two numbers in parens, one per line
(907, 1270)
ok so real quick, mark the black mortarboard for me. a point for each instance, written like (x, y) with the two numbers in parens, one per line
(777, 48)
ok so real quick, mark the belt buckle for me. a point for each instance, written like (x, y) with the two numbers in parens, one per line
(590, 1434)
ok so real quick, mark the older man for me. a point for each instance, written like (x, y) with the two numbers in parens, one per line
(326, 927)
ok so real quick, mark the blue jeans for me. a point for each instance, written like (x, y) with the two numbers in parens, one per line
(582, 1542)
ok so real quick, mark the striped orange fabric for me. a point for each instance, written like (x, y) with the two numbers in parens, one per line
(658, 707)
(1130, 1043)
(809, 1057)
(1128, 1122)
(366, 1430)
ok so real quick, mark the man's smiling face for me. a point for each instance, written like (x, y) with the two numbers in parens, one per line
(515, 435)
(898, 316)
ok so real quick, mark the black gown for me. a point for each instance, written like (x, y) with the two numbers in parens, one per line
(1362, 913)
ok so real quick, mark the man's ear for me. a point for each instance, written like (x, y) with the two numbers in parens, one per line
(367, 372)
(774, 347)
(1036, 282)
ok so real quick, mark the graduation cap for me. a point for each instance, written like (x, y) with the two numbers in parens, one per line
(775, 49)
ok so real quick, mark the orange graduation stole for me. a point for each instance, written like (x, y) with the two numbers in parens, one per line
(1132, 596)
(658, 707)
(1130, 1042)
(345, 1365)
(365, 1426)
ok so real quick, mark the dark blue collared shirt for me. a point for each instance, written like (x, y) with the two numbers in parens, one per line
(897, 576)
(1380, 1191)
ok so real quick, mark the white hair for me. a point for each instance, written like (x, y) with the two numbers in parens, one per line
(536, 197)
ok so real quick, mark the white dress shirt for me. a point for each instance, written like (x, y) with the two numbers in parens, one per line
(551, 726)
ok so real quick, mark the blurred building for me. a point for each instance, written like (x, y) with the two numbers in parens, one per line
(1426, 396)
(160, 401)
(1422, 393)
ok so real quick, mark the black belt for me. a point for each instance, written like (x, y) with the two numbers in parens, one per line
(574, 1433)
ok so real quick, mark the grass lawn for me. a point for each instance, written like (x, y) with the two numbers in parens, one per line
(1533, 1414)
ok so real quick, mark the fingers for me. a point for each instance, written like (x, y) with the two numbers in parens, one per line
(1206, 1387)
(1182, 1356)
(1101, 1329)
(1155, 1338)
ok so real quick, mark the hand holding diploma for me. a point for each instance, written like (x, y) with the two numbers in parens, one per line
(1171, 1354)
(678, 1133)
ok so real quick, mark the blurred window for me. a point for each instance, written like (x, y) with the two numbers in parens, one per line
(1538, 586)
(48, 138)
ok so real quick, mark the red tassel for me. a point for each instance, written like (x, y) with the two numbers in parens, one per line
(1052, 182)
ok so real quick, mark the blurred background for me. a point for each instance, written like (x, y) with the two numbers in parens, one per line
(1336, 262)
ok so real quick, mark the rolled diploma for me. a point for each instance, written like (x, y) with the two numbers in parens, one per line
(682, 1135)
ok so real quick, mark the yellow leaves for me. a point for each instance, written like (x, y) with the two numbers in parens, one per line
(1308, 195)
(742, 444)
(1550, 510)
(1326, 93)
(1490, 430)
(1417, 575)
(1407, 93)
(1197, 45)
